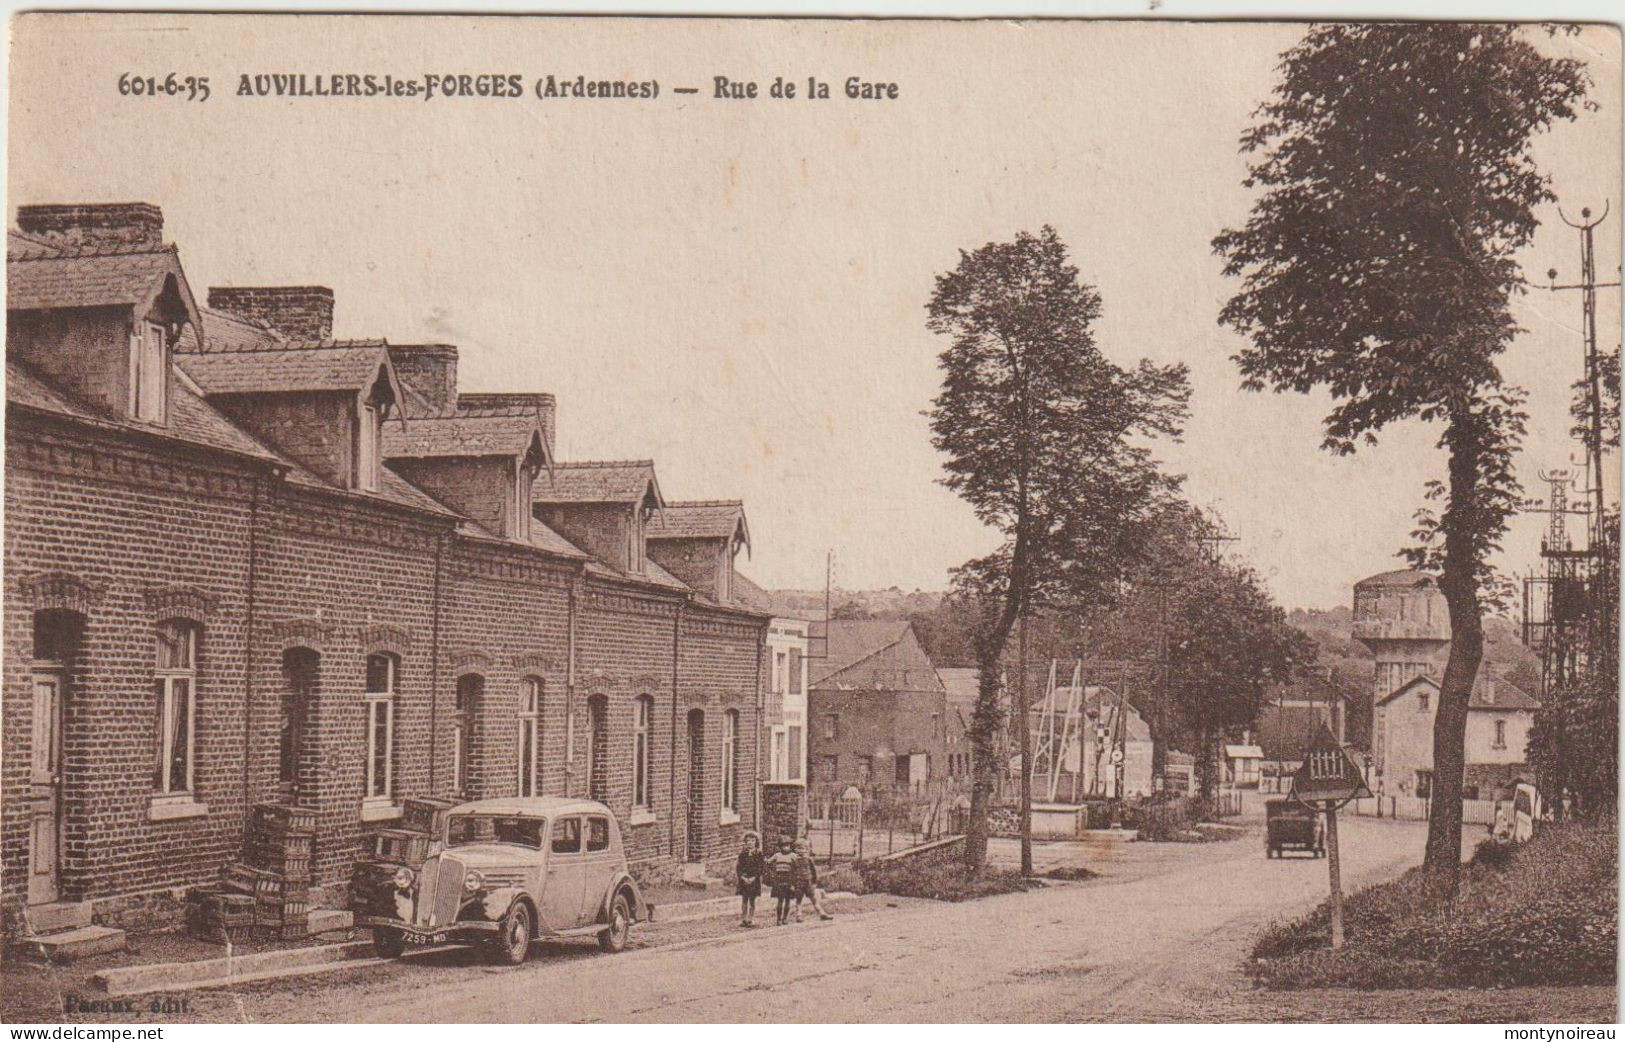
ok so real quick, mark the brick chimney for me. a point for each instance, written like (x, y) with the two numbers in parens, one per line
(135, 225)
(297, 312)
(430, 370)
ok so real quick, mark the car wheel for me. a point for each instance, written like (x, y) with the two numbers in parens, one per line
(513, 940)
(388, 943)
(613, 937)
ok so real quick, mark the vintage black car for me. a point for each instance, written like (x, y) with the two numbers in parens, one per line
(511, 871)
(1290, 825)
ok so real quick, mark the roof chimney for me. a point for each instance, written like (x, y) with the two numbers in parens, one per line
(296, 312)
(430, 370)
(130, 225)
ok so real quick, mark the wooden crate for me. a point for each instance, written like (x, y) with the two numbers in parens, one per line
(285, 840)
(402, 847)
(426, 814)
(282, 865)
(243, 878)
(277, 816)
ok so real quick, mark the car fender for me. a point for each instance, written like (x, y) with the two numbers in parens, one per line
(494, 904)
(621, 879)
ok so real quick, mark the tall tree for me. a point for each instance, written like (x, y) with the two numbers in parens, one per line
(1046, 438)
(1229, 642)
(1378, 264)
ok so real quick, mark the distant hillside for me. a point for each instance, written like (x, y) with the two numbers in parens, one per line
(892, 603)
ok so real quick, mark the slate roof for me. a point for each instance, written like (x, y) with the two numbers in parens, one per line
(962, 685)
(226, 332)
(850, 641)
(700, 519)
(461, 435)
(41, 276)
(1507, 694)
(611, 481)
(191, 419)
(524, 403)
(335, 369)
(747, 594)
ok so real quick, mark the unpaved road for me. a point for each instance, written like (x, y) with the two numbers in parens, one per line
(1157, 937)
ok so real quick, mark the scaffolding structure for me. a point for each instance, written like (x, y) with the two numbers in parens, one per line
(1571, 612)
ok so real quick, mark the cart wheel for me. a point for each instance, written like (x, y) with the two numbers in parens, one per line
(388, 943)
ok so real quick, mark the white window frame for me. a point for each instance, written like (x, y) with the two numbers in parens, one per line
(169, 681)
(381, 702)
(779, 752)
(796, 751)
(530, 730)
(730, 763)
(148, 345)
(366, 452)
(642, 713)
(521, 502)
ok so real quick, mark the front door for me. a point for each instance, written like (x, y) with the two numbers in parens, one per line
(45, 781)
(565, 878)
(299, 670)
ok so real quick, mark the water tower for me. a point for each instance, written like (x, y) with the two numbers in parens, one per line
(1401, 616)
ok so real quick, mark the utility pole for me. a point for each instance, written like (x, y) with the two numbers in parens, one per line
(1026, 746)
(829, 581)
(1588, 286)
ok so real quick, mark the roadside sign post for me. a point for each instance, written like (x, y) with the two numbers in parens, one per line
(1329, 779)
(1337, 880)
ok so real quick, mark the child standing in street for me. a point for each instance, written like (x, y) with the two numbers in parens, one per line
(781, 873)
(807, 881)
(748, 873)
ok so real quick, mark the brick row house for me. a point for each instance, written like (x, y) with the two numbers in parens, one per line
(247, 562)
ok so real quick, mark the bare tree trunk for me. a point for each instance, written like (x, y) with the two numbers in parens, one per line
(1459, 583)
(985, 722)
(1203, 765)
(984, 725)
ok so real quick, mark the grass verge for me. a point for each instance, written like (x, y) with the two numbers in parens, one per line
(941, 882)
(1545, 913)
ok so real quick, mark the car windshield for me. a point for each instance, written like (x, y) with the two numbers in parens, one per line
(464, 829)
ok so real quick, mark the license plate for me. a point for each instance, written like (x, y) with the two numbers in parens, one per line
(413, 937)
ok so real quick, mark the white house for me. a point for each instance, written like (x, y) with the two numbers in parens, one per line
(1499, 717)
(787, 691)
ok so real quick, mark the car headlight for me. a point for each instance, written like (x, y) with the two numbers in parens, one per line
(473, 881)
(404, 877)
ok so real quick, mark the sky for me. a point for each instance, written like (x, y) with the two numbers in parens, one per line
(737, 289)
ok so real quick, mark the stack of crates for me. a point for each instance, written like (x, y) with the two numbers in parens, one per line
(422, 825)
(276, 868)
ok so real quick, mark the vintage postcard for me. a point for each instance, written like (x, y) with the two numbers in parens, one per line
(533, 519)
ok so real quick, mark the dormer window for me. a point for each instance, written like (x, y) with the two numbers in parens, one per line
(366, 448)
(147, 372)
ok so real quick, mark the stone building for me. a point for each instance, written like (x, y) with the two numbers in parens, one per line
(248, 562)
(878, 709)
